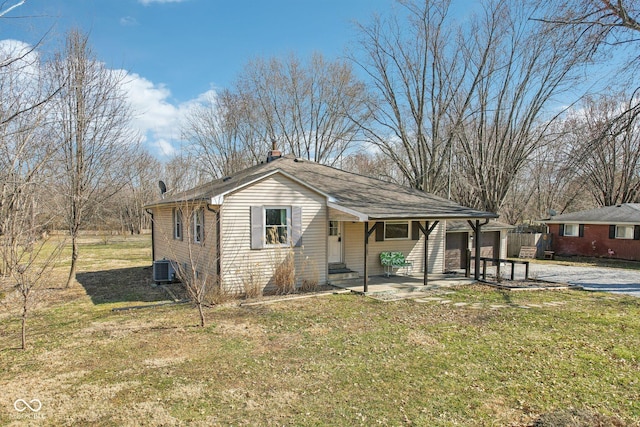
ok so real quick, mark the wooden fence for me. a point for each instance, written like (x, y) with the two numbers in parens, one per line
(515, 241)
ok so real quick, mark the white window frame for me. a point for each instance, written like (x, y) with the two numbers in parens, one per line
(198, 225)
(177, 224)
(397, 238)
(287, 226)
(575, 230)
(334, 228)
(623, 235)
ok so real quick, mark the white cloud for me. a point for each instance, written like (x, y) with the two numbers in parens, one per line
(164, 148)
(128, 21)
(155, 117)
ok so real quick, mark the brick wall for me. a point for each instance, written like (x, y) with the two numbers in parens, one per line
(596, 243)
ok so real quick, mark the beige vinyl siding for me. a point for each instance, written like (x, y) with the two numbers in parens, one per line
(413, 250)
(185, 251)
(240, 263)
(503, 244)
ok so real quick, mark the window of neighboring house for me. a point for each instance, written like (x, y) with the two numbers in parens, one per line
(277, 225)
(396, 230)
(624, 231)
(571, 230)
(198, 225)
(177, 224)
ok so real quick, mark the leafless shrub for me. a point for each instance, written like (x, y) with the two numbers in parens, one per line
(284, 276)
(310, 276)
(252, 280)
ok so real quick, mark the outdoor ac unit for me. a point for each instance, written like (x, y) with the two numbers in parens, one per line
(163, 271)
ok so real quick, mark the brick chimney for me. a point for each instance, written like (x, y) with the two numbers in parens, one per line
(274, 153)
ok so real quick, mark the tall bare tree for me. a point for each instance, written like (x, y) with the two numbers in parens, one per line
(311, 109)
(222, 136)
(526, 66)
(605, 148)
(416, 72)
(93, 133)
(25, 154)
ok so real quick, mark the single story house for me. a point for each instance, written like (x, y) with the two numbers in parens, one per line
(610, 231)
(238, 226)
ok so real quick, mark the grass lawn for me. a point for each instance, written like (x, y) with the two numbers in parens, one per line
(332, 360)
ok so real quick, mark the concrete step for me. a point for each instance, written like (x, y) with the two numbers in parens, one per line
(337, 278)
(337, 266)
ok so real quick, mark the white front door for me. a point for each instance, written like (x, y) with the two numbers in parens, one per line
(335, 241)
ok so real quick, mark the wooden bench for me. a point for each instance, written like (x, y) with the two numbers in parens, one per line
(391, 260)
(528, 252)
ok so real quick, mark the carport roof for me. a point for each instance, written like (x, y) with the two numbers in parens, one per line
(626, 213)
(364, 197)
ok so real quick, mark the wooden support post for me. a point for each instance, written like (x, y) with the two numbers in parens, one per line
(498, 271)
(425, 276)
(367, 233)
(484, 269)
(477, 232)
(467, 266)
(426, 230)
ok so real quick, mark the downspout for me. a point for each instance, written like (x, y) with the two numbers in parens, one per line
(153, 238)
(218, 241)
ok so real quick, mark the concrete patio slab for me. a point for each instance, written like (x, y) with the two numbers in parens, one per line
(402, 287)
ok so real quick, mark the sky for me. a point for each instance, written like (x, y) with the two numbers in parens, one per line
(176, 52)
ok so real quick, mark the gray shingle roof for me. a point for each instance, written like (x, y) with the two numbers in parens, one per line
(618, 214)
(371, 197)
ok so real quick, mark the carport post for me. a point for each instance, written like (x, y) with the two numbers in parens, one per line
(426, 230)
(367, 233)
(476, 232)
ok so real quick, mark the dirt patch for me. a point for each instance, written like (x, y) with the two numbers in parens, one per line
(531, 284)
(576, 418)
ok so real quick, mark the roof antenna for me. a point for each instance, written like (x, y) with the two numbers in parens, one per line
(163, 188)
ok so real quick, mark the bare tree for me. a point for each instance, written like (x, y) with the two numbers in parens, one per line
(416, 71)
(311, 109)
(222, 135)
(602, 22)
(195, 255)
(25, 153)
(93, 133)
(605, 148)
(140, 189)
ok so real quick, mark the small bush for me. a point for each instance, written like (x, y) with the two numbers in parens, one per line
(310, 273)
(284, 277)
(252, 281)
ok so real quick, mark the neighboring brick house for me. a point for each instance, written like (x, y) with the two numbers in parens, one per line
(610, 231)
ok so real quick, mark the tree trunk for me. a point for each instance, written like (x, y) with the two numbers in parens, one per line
(24, 325)
(201, 313)
(74, 259)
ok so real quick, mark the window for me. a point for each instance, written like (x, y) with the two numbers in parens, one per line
(571, 230)
(276, 226)
(177, 224)
(624, 231)
(198, 225)
(334, 229)
(396, 230)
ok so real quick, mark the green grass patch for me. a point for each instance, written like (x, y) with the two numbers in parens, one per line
(332, 360)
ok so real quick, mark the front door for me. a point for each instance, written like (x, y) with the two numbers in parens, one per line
(335, 241)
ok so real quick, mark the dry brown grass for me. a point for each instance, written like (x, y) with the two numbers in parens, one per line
(336, 360)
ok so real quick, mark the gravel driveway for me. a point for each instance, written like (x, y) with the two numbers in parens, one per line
(592, 278)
